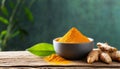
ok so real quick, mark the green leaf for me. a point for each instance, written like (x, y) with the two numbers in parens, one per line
(3, 33)
(4, 20)
(4, 11)
(28, 14)
(42, 49)
(23, 31)
(16, 33)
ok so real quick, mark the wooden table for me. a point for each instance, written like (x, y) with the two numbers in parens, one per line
(26, 60)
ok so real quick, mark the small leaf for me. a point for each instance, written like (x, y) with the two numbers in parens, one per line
(16, 33)
(28, 14)
(4, 20)
(3, 33)
(23, 31)
(42, 49)
(4, 11)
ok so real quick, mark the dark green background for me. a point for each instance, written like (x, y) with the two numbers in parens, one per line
(98, 19)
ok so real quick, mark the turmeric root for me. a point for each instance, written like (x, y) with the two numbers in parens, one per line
(93, 56)
(105, 57)
(115, 56)
(106, 48)
(105, 52)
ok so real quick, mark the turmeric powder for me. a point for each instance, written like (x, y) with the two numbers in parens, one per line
(56, 59)
(74, 36)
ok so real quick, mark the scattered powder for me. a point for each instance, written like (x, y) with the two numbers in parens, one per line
(56, 59)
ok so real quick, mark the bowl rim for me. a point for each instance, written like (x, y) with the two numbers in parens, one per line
(91, 40)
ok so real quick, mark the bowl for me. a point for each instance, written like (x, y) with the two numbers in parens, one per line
(73, 51)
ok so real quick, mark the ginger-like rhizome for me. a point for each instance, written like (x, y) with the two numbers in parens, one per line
(105, 53)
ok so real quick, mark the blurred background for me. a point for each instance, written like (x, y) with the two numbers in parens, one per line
(23, 23)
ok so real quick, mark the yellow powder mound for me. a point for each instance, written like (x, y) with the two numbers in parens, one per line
(74, 36)
(56, 59)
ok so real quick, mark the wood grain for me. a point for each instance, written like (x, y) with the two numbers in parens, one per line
(24, 59)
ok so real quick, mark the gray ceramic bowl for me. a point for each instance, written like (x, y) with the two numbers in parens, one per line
(73, 51)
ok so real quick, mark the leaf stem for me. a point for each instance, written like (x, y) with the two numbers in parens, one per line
(3, 3)
(10, 26)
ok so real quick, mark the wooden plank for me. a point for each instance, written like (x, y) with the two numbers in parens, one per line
(26, 59)
(54, 68)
